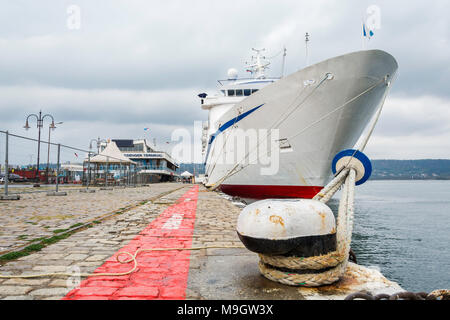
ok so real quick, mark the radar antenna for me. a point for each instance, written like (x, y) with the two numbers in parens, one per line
(258, 65)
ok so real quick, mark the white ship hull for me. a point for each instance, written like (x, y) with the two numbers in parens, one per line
(320, 110)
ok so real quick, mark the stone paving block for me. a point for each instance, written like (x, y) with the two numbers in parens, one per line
(135, 291)
(90, 264)
(27, 282)
(57, 291)
(52, 298)
(57, 283)
(90, 298)
(18, 298)
(113, 283)
(45, 262)
(14, 290)
(108, 242)
(76, 257)
(34, 256)
(55, 256)
(174, 293)
(50, 269)
(95, 291)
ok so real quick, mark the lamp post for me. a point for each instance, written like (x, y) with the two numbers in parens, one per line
(98, 142)
(40, 122)
(50, 127)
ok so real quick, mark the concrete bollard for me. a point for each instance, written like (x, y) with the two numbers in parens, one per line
(301, 228)
(87, 191)
(56, 193)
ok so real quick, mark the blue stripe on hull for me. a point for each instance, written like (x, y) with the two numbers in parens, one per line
(228, 124)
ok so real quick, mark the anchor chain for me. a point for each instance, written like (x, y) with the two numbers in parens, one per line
(404, 295)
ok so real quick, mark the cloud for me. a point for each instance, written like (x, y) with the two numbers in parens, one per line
(143, 45)
(423, 116)
(166, 107)
(412, 128)
(411, 146)
(136, 64)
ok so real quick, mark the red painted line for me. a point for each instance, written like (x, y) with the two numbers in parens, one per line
(268, 192)
(160, 274)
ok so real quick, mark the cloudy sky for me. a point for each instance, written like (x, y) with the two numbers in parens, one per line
(131, 64)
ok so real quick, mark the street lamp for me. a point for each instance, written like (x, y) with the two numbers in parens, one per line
(98, 142)
(52, 126)
(40, 123)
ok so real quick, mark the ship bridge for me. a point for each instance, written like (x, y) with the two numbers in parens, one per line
(232, 91)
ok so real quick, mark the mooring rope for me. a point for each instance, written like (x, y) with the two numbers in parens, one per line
(283, 117)
(329, 268)
(324, 269)
(132, 258)
(239, 166)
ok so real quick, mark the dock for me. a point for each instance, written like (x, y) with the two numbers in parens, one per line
(87, 231)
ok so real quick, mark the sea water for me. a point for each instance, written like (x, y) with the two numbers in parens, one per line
(402, 228)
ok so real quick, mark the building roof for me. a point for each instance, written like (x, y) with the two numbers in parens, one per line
(111, 154)
(71, 167)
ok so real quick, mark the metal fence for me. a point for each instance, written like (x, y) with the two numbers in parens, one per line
(34, 165)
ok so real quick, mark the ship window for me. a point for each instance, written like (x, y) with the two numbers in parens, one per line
(239, 92)
(231, 93)
(247, 92)
(254, 90)
(223, 92)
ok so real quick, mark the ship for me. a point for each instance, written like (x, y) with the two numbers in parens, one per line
(299, 121)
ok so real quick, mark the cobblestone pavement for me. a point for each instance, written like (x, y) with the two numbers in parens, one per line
(159, 274)
(216, 221)
(37, 215)
(213, 273)
(83, 251)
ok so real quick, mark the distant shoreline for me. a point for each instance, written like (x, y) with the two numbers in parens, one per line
(405, 179)
(427, 169)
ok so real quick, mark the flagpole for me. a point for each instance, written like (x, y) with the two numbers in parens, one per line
(306, 49)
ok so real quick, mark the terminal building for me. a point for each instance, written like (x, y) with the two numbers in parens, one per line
(153, 166)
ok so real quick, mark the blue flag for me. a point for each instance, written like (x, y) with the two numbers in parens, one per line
(365, 29)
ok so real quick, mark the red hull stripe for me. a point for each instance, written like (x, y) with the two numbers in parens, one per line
(160, 274)
(270, 192)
